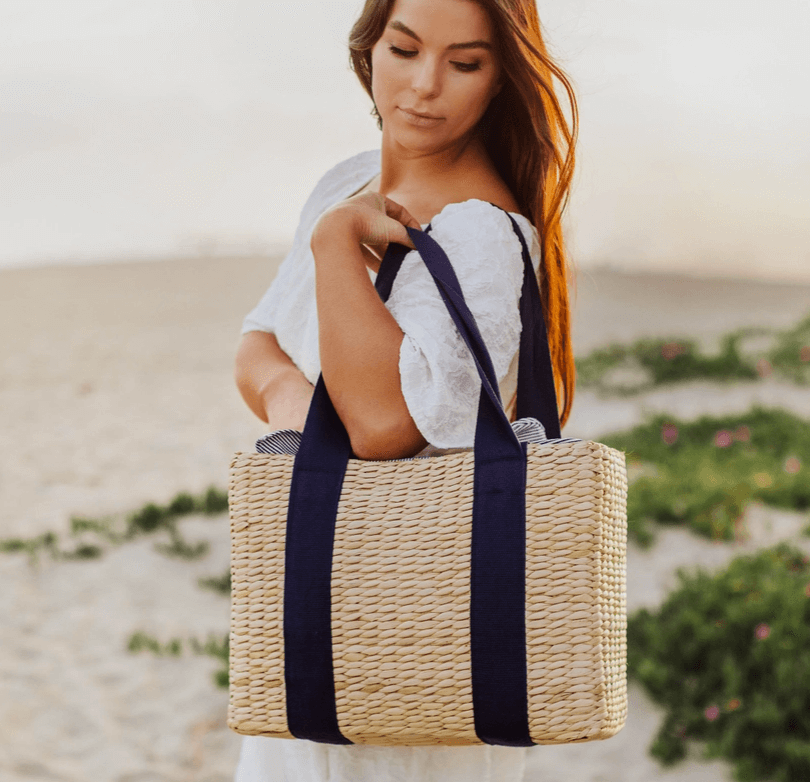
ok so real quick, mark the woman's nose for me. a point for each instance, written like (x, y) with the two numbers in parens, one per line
(426, 79)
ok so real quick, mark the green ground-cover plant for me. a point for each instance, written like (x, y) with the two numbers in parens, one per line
(728, 656)
(90, 536)
(215, 646)
(791, 354)
(219, 584)
(704, 473)
(656, 362)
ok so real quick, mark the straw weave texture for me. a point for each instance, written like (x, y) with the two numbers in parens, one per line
(401, 596)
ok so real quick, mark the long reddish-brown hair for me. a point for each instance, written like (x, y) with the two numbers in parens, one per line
(531, 142)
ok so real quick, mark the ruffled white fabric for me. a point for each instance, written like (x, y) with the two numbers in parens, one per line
(441, 388)
(439, 380)
(285, 760)
(288, 308)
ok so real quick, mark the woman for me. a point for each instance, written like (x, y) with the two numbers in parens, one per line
(471, 126)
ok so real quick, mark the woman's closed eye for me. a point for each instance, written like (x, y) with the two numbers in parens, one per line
(403, 52)
(464, 67)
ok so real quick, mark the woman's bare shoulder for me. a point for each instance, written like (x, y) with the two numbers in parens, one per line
(472, 190)
(496, 192)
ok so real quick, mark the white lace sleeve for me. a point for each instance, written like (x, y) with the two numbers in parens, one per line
(263, 316)
(439, 380)
(295, 276)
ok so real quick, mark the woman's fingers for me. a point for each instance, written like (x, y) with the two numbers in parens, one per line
(398, 234)
(372, 256)
(402, 218)
(399, 213)
(384, 220)
(378, 230)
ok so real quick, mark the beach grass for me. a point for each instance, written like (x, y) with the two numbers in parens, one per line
(90, 537)
(216, 646)
(692, 480)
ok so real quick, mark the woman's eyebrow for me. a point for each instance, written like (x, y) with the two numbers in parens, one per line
(403, 28)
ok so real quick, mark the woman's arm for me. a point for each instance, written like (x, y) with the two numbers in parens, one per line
(271, 385)
(359, 338)
(439, 378)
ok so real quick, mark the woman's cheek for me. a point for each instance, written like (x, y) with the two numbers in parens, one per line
(470, 107)
(386, 82)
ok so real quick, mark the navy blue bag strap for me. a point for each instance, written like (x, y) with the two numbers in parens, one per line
(497, 612)
(498, 540)
(536, 395)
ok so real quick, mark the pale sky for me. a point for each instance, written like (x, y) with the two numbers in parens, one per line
(168, 127)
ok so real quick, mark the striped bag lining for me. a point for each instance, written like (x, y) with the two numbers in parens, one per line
(527, 430)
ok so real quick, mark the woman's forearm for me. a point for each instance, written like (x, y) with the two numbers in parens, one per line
(270, 383)
(359, 351)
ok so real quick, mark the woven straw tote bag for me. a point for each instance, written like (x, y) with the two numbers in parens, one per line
(466, 598)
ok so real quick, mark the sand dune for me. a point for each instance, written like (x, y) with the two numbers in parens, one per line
(116, 389)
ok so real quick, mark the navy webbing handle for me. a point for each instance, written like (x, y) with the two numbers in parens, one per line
(497, 564)
(536, 395)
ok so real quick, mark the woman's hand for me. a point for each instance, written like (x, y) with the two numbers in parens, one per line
(371, 220)
(359, 339)
(270, 383)
(286, 400)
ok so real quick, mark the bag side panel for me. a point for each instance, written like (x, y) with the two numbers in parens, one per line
(564, 623)
(614, 587)
(258, 495)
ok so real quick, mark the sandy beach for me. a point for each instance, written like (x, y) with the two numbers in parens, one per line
(116, 390)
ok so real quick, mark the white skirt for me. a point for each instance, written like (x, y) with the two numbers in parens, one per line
(292, 760)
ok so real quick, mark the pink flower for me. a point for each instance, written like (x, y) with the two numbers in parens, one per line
(807, 590)
(733, 704)
(672, 349)
(742, 433)
(763, 480)
(712, 713)
(669, 433)
(723, 439)
(792, 465)
(762, 631)
(764, 367)
(741, 531)
(804, 353)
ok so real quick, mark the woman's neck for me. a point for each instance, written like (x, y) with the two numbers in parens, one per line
(402, 169)
(425, 183)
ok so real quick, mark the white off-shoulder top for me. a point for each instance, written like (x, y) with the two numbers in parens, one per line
(441, 388)
(439, 380)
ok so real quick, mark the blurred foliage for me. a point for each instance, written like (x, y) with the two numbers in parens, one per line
(49, 542)
(648, 363)
(728, 656)
(220, 584)
(705, 472)
(215, 646)
(90, 535)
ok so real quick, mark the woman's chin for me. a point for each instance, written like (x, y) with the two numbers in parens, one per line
(415, 139)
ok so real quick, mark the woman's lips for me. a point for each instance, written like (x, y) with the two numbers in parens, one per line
(421, 120)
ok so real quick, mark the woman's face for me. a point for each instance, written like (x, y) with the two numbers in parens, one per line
(434, 71)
